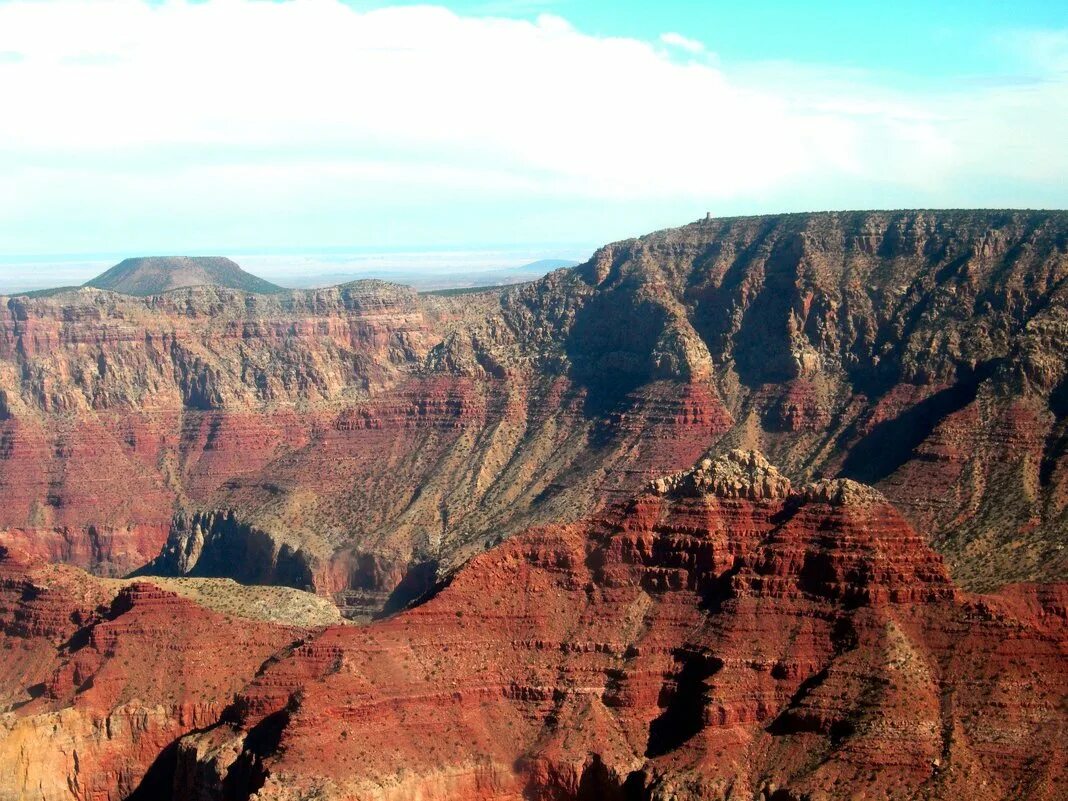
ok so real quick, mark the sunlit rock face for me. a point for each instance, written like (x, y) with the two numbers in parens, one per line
(724, 635)
(364, 441)
(100, 678)
(723, 642)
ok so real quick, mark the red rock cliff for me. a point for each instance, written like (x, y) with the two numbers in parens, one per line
(365, 441)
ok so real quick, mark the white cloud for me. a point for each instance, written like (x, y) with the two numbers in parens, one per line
(1045, 49)
(683, 43)
(312, 102)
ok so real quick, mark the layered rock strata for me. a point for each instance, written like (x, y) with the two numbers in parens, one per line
(100, 678)
(723, 635)
(365, 440)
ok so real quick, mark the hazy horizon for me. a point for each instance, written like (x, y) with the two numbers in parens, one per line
(308, 267)
(301, 268)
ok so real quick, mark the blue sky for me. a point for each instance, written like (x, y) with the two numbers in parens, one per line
(909, 39)
(239, 125)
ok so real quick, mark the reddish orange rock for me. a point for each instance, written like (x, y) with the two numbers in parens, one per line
(719, 636)
(99, 679)
(366, 440)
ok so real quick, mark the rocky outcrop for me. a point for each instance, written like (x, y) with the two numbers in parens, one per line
(720, 639)
(372, 434)
(714, 643)
(738, 474)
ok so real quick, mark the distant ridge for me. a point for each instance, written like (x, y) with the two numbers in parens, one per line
(545, 265)
(155, 274)
(436, 274)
